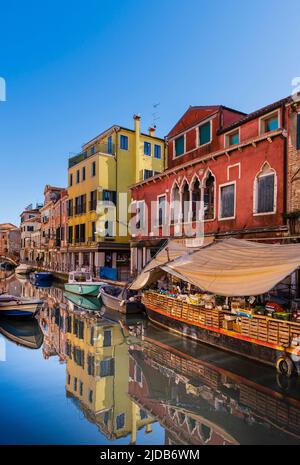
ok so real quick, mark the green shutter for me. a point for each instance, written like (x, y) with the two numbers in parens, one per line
(298, 131)
(204, 133)
(179, 146)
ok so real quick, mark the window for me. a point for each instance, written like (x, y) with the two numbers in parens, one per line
(196, 198)
(161, 210)
(68, 378)
(107, 367)
(79, 233)
(93, 231)
(227, 201)
(138, 374)
(93, 169)
(147, 149)
(75, 384)
(209, 197)
(70, 207)
(81, 388)
(232, 138)
(148, 174)
(270, 123)
(143, 414)
(204, 133)
(185, 207)
(120, 421)
(70, 234)
(77, 176)
(140, 215)
(265, 191)
(93, 201)
(179, 146)
(175, 211)
(83, 173)
(91, 396)
(92, 150)
(110, 196)
(110, 145)
(123, 142)
(71, 180)
(157, 151)
(80, 205)
(107, 338)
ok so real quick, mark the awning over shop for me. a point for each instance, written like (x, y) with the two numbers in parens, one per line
(173, 249)
(234, 267)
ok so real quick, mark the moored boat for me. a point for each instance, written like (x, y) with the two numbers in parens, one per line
(115, 298)
(18, 306)
(81, 283)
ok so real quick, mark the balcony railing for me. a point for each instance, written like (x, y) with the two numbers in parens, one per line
(101, 147)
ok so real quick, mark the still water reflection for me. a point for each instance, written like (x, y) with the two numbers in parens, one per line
(83, 375)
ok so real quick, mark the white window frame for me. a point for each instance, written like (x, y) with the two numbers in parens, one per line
(262, 119)
(157, 211)
(161, 150)
(198, 134)
(255, 191)
(227, 136)
(175, 157)
(220, 201)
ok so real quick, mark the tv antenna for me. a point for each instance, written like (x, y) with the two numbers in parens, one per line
(155, 113)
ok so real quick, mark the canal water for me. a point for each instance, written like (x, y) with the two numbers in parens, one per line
(80, 374)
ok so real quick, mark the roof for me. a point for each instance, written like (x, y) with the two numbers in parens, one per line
(256, 114)
(7, 226)
(200, 113)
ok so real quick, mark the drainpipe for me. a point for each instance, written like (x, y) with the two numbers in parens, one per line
(137, 130)
(285, 161)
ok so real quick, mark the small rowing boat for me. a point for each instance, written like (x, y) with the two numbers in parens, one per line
(11, 305)
(119, 299)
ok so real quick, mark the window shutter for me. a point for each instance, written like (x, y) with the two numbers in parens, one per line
(179, 146)
(265, 201)
(227, 201)
(204, 133)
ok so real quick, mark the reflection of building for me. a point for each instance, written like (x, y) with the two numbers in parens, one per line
(10, 241)
(98, 374)
(199, 402)
(30, 225)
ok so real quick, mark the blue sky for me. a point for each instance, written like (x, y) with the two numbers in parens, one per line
(72, 69)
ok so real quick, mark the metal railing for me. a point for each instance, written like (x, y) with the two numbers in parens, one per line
(101, 147)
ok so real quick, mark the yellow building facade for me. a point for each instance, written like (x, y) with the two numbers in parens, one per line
(105, 169)
(97, 376)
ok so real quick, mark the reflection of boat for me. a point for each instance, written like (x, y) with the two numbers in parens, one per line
(113, 297)
(23, 269)
(81, 282)
(11, 305)
(41, 277)
(87, 303)
(26, 333)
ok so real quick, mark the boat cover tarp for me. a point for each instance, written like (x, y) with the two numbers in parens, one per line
(173, 249)
(234, 267)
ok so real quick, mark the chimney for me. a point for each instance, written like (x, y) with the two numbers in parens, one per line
(137, 123)
(152, 131)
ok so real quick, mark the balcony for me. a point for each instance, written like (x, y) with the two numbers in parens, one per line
(100, 148)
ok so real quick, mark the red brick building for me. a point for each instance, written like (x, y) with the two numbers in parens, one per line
(243, 168)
